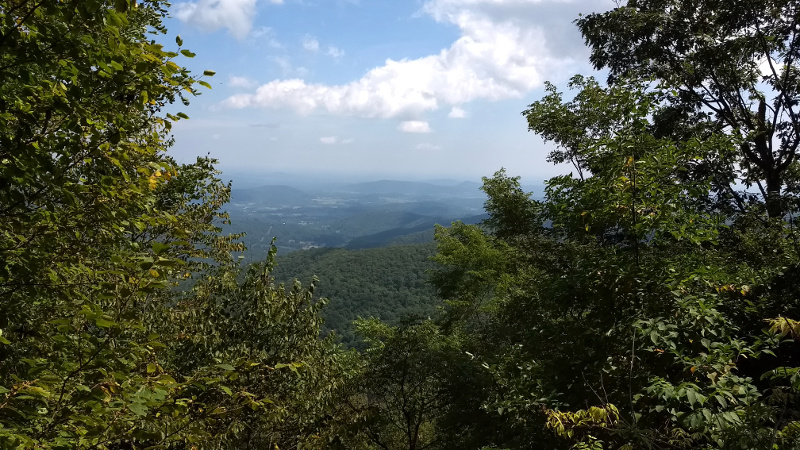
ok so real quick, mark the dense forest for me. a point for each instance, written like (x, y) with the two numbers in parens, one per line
(648, 300)
(387, 283)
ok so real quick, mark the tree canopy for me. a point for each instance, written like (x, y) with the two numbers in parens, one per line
(646, 301)
(729, 67)
(117, 329)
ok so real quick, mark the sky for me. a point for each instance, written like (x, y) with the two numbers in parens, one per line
(375, 89)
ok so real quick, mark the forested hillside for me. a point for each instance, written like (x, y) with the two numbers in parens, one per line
(388, 283)
(649, 300)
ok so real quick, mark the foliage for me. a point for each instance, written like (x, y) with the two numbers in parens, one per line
(414, 389)
(122, 322)
(721, 66)
(649, 301)
(388, 283)
(640, 286)
(279, 373)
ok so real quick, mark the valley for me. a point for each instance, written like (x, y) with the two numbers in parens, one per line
(367, 244)
(361, 215)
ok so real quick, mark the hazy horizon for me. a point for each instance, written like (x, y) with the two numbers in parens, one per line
(251, 179)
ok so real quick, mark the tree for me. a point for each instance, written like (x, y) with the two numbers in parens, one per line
(626, 309)
(722, 66)
(280, 373)
(81, 148)
(113, 260)
(413, 388)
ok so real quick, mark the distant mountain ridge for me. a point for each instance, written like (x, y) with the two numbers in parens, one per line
(466, 188)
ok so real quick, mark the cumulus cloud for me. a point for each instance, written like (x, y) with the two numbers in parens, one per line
(266, 34)
(210, 15)
(288, 69)
(457, 113)
(504, 51)
(328, 140)
(414, 126)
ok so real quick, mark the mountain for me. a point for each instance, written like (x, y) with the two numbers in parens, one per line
(414, 188)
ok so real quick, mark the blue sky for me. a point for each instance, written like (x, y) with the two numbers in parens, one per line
(375, 88)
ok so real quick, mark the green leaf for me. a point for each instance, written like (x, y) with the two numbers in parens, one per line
(104, 322)
(138, 408)
(159, 247)
(691, 395)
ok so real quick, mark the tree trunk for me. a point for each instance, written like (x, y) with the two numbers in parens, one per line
(774, 200)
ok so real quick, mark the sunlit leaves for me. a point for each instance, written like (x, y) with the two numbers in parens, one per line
(95, 225)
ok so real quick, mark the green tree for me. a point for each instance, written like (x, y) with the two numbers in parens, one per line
(351, 279)
(113, 261)
(626, 309)
(279, 373)
(413, 388)
(96, 222)
(723, 67)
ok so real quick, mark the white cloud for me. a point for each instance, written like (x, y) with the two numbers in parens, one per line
(348, 141)
(328, 140)
(335, 52)
(414, 126)
(427, 146)
(210, 15)
(310, 44)
(457, 113)
(241, 82)
(503, 52)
